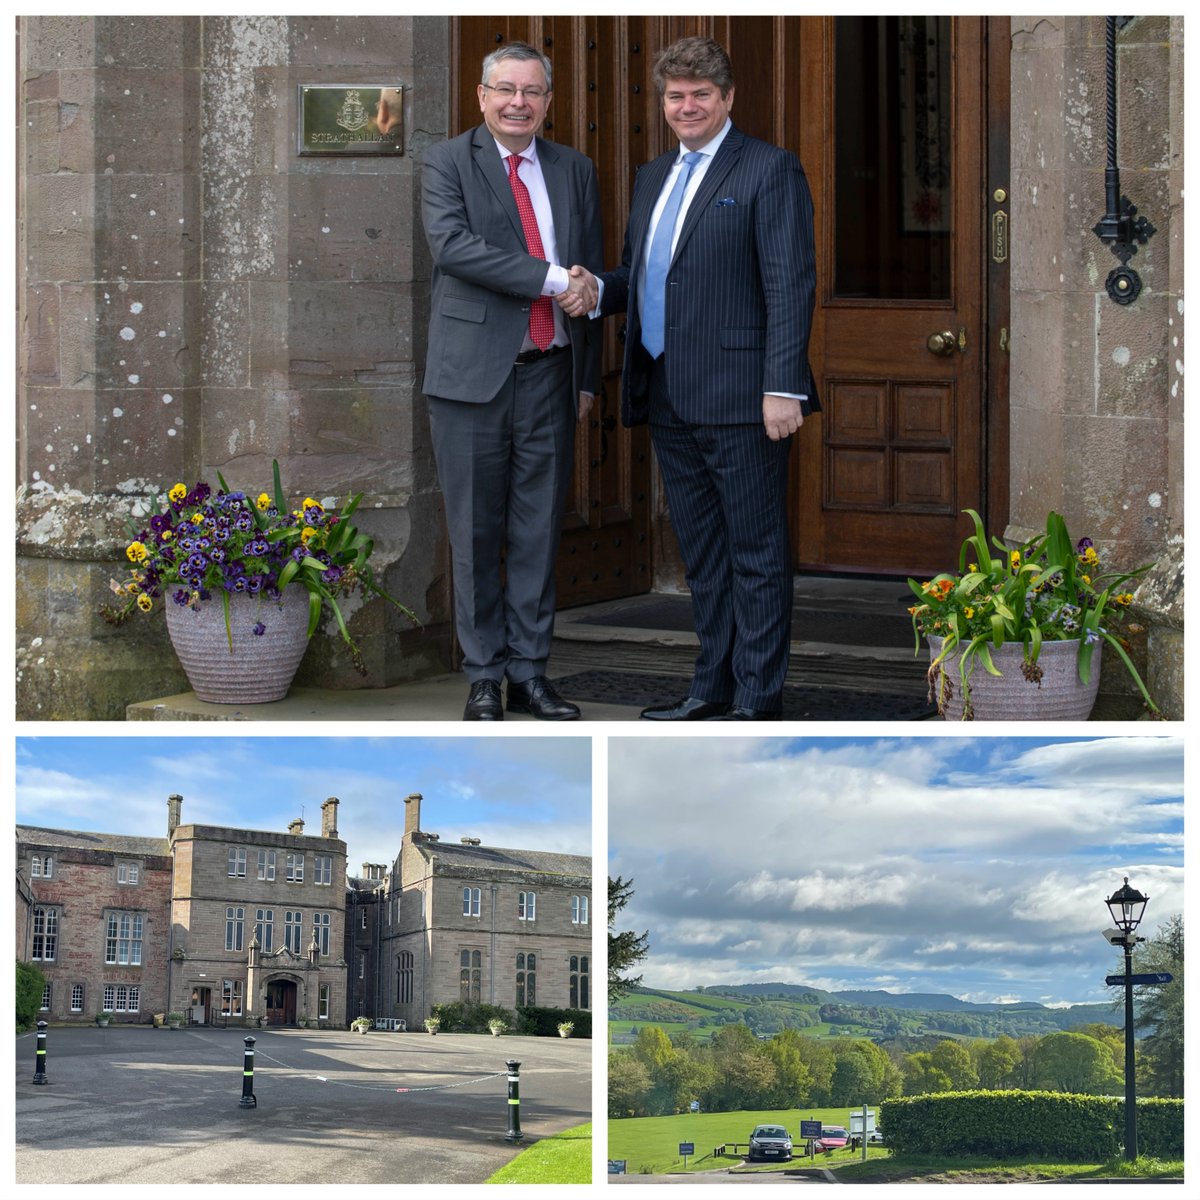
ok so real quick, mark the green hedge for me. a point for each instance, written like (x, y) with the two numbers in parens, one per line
(457, 1017)
(544, 1022)
(30, 984)
(1022, 1125)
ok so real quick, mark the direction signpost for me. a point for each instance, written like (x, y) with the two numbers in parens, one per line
(1139, 980)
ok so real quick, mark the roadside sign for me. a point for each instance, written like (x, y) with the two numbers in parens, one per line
(686, 1148)
(616, 1166)
(694, 1106)
(1139, 980)
(810, 1129)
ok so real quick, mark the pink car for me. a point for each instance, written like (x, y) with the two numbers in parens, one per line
(833, 1137)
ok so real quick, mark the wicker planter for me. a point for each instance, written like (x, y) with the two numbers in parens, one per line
(1057, 696)
(261, 667)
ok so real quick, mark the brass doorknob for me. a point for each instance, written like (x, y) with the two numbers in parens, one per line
(942, 343)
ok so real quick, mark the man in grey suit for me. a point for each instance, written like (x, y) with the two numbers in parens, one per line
(718, 279)
(507, 372)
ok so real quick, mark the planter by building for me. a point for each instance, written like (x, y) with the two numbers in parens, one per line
(1058, 695)
(261, 666)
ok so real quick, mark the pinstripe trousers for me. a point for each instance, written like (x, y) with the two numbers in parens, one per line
(726, 486)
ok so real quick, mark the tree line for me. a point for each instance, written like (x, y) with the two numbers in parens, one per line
(659, 1075)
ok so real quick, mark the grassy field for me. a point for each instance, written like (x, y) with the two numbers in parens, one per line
(564, 1158)
(650, 1145)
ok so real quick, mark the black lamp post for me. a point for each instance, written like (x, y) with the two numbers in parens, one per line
(1127, 906)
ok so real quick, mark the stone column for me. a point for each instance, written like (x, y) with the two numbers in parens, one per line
(1096, 387)
(195, 297)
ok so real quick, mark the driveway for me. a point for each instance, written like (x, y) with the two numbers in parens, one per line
(156, 1106)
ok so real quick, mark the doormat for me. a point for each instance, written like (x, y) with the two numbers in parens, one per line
(800, 703)
(674, 614)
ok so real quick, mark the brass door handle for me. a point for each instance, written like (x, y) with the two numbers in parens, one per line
(943, 342)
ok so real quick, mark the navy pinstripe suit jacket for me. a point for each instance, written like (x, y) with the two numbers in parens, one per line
(740, 292)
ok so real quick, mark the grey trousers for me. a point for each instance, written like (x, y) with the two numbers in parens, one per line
(504, 467)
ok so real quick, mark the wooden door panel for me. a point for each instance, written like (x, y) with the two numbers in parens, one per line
(898, 452)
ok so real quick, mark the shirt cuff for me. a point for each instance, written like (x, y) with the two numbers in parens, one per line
(557, 279)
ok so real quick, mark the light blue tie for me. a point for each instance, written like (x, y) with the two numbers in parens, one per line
(658, 263)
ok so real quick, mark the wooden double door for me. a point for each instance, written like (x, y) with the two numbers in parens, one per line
(893, 118)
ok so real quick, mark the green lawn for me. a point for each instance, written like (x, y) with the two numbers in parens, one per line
(932, 1169)
(650, 1145)
(564, 1158)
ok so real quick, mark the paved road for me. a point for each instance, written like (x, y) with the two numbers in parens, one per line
(155, 1106)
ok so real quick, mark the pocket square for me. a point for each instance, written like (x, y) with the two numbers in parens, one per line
(726, 201)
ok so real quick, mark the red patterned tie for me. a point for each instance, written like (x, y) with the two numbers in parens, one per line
(541, 315)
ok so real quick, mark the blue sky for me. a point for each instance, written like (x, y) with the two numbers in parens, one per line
(518, 792)
(964, 865)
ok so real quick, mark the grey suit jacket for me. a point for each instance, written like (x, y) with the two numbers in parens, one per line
(484, 279)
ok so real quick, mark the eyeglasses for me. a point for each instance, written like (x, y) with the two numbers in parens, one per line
(506, 91)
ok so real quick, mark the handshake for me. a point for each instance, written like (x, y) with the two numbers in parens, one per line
(581, 295)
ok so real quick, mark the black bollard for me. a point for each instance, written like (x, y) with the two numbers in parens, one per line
(39, 1074)
(248, 1100)
(514, 1102)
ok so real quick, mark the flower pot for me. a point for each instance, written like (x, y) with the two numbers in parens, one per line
(261, 667)
(1057, 696)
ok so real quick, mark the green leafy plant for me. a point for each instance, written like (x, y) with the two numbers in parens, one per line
(200, 546)
(1047, 589)
(360, 1024)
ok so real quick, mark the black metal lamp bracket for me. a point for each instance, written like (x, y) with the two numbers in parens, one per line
(1121, 228)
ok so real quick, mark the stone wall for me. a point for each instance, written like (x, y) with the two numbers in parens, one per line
(1097, 387)
(195, 297)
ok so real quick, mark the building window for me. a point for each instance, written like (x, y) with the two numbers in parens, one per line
(579, 910)
(404, 978)
(362, 965)
(470, 976)
(363, 919)
(120, 998)
(237, 862)
(293, 930)
(235, 927)
(264, 929)
(45, 1007)
(123, 941)
(580, 982)
(41, 867)
(295, 868)
(322, 870)
(77, 997)
(231, 997)
(526, 980)
(323, 1002)
(128, 874)
(321, 931)
(45, 934)
(471, 901)
(266, 865)
(526, 906)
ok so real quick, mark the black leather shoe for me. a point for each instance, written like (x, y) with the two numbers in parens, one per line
(483, 704)
(537, 696)
(738, 713)
(687, 709)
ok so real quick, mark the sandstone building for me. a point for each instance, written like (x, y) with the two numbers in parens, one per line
(472, 923)
(233, 926)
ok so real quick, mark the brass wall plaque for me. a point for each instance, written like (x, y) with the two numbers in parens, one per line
(350, 118)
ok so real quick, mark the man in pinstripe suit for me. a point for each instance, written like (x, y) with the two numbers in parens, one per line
(718, 281)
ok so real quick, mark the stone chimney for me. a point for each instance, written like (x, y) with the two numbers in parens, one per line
(174, 807)
(296, 827)
(329, 818)
(412, 814)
